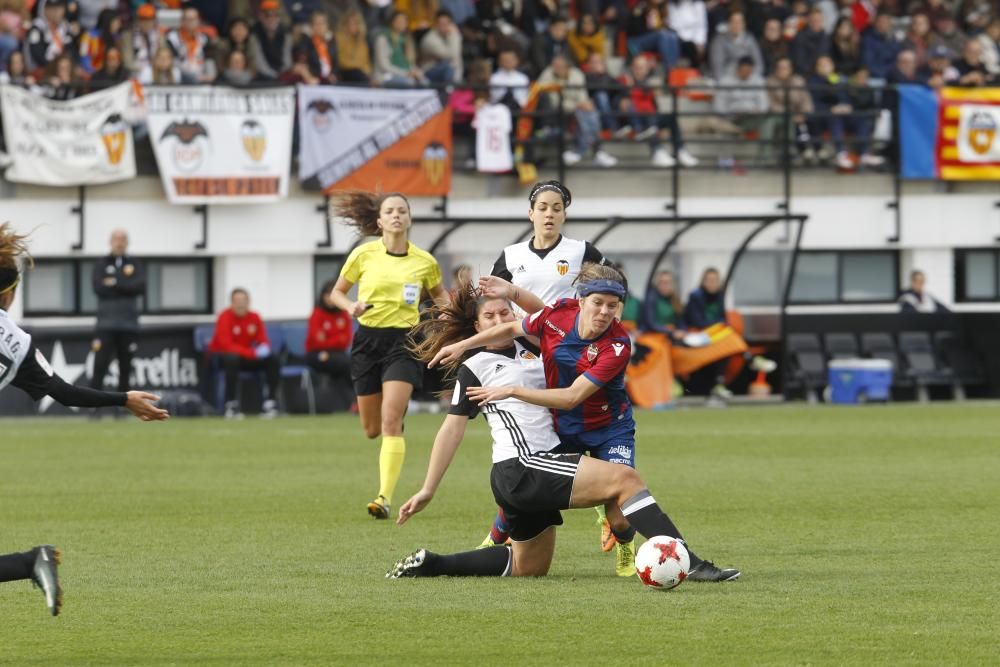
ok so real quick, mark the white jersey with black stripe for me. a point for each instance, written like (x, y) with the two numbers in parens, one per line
(519, 429)
(14, 346)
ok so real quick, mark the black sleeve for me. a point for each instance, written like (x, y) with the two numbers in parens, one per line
(38, 380)
(135, 284)
(460, 403)
(592, 254)
(500, 269)
(37, 46)
(97, 278)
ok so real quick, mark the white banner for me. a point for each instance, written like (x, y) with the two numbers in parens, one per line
(84, 141)
(979, 133)
(218, 145)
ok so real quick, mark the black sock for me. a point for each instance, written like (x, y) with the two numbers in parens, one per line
(624, 536)
(489, 562)
(14, 567)
(646, 516)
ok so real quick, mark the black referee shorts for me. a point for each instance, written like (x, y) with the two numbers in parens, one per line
(532, 490)
(380, 355)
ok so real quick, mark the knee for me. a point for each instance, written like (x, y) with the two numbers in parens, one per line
(392, 422)
(629, 482)
(372, 430)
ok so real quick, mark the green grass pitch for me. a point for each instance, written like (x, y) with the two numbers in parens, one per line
(866, 536)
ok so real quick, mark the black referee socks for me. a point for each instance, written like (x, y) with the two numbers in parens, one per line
(14, 567)
(489, 562)
(646, 516)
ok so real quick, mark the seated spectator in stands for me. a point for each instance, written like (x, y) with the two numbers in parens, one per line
(441, 51)
(237, 39)
(879, 46)
(971, 70)
(509, 85)
(419, 14)
(96, 41)
(576, 103)
(192, 49)
(645, 117)
(549, 44)
(836, 114)
(49, 36)
(237, 71)
(689, 20)
(784, 85)
(845, 48)
(461, 11)
(728, 47)
(162, 71)
(300, 71)
(16, 74)
(88, 12)
(947, 33)
(863, 14)
(918, 37)
(810, 43)
(974, 16)
(990, 42)
(864, 112)
(328, 341)
(935, 9)
(352, 49)
(742, 98)
(112, 73)
(797, 19)
(270, 43)
(705, 306)
(773, 45)
(917, 299)
(13, 18)
(142, 41)
(60, 81)
(320, 49)
(240, 343)
(605, 91)
(938, 71)
(661, 309)
(586, 39)
(395, 56)
(905, 70)
(649, 31)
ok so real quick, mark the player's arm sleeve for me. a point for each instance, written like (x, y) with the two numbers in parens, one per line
(134, 285)
(97, 279)
(592, 254)
(460, 404)
(532, 324)
(433, 276)
(36, 378)
(500, 267)
(609, 365)
(352, 267)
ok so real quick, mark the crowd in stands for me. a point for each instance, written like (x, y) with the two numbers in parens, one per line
(610, 58)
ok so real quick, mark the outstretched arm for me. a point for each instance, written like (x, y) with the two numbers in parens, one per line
(446, 443)
(494, 286)
(502, 332)
(565, 398)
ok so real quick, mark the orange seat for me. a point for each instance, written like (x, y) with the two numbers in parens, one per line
(682, 76)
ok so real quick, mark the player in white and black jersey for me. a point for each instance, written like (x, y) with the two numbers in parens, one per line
(24, 367)
(529, 482)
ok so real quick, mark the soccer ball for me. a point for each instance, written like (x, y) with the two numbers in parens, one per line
(662, 563)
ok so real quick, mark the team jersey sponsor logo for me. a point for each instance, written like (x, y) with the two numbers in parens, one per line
(236, 330)
(527, 354)
(552, 326)
(499, 367)
(562, 266)
(251, 329)
(618, 347)
(520, 269)
(592, 352)
(624, 451)
(128, 269)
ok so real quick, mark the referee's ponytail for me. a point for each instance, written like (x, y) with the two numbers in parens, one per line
(12, 248)
(447, 324)
(360, 209)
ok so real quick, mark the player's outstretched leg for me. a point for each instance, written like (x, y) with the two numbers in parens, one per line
(530, 557)
(40, 565)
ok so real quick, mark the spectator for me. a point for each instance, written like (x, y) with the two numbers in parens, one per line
(13, 18)
(990, 42)
(971, 70)
(946, 33)
(50, 36)
(88, 12)
(917, 299)
(689, 20)
(441, 51)
(879, 47)
(758, 14)
(784, 85)
(863, 13)
(918, 38)
(938, 71)
(935, 10)
(237, 39)
(16, 74)
(240, 344)
(97, 40)
(905, 70)
(549, 44)
(645, 116)
(845, 48)
(974, 16)
(352, 49)
(728, 47)
(810, 43)
(395, 56)
(773, 46)
(119, 281)
(420, 15)
(586, 39)
(576, 103)
(299, 72)
(60, 79)
(864, 112)
(237, 71)
(142, 41)
(661, 310)
(328, 339)
(461, 11)
(705, 306)
(836, 114)
(509, 85)
(270, 43)
(648, 31)
(112, 73)
(162, 71)
(605, 91)
(797, 19)
(191, 49)
(320, 49)
(742, 98)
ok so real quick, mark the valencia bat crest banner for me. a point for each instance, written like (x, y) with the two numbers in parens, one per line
(387, 140)
(217, 145)
(84, 141)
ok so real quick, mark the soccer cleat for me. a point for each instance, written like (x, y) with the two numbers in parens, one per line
(233, 410)
(608, 539)
(706, 571)
(269, 410)
(379, 508)
(625, 559)
(45, 575)
(409, 566)
(763, 364)
(721, 391)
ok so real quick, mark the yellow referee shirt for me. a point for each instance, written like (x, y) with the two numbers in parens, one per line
(391, 283)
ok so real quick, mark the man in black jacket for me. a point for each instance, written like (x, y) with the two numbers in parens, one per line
(119, 280)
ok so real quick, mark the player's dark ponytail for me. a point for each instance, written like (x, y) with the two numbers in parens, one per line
(360, 209)
(12, 249)
(447, 324)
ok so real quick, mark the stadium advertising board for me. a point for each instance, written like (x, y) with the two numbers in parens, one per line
(217, 145)
(84, 141)
(374, 139)
(951, 134)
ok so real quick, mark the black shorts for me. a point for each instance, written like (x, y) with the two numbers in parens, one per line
(380, 355)
(531, 491)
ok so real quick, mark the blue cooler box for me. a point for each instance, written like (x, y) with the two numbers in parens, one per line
(856, 380)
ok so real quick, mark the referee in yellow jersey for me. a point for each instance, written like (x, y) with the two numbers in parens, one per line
(390, 273)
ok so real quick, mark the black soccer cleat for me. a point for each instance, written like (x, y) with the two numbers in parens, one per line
(706, 571)
(45, 575)
(410, 566)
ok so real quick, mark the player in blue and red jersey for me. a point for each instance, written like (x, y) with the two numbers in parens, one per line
(585, 351)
